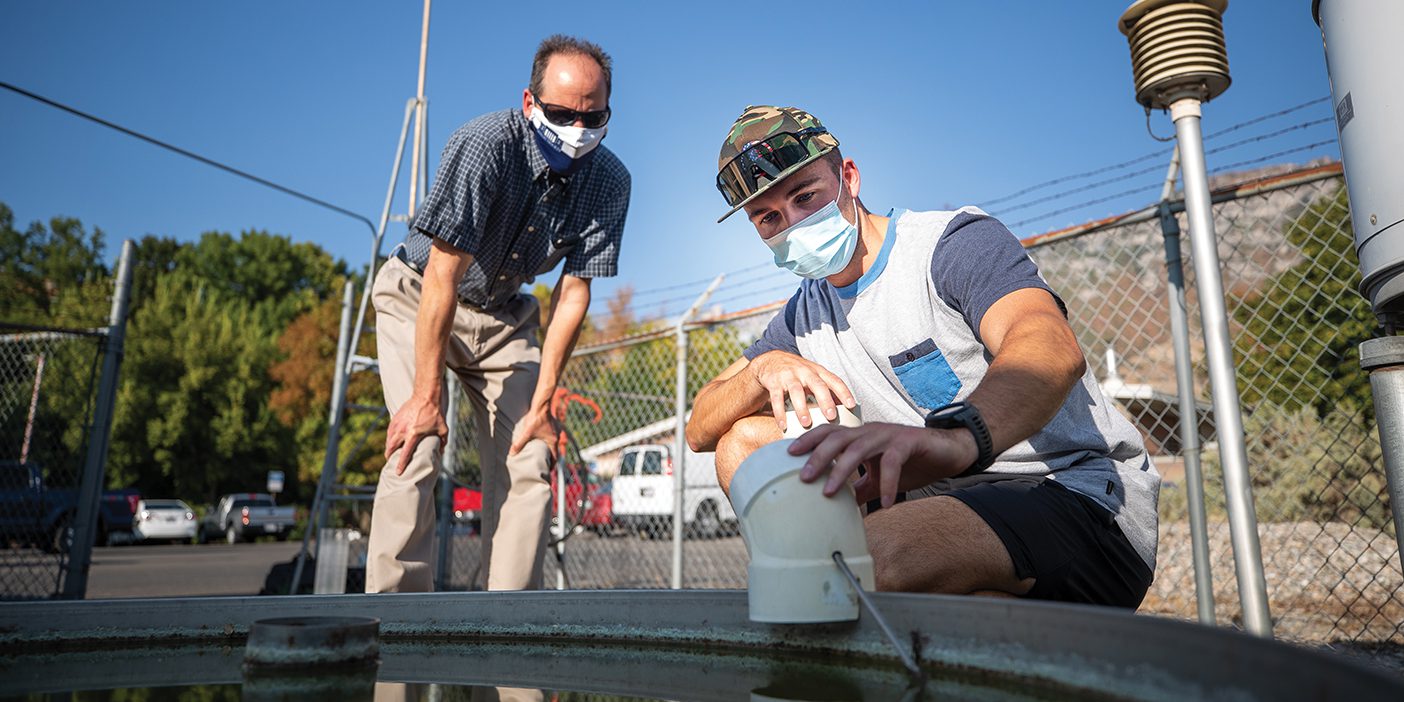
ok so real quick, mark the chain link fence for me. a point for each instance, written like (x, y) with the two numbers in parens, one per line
(1289, 269)
(48, 380)
(1330, 557)
(620, 468)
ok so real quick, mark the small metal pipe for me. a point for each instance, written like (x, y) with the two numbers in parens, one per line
(372, 268)
(1228, 418)
(33, 409)
(450, 461)
(80, 552)
(560, 505)
(679, 439)
(316, 517)
(907, 661)
(1189, 407)
(416, 160)
(1384, 359)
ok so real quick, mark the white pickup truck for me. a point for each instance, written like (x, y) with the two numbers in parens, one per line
(245, 515)
(643, 493)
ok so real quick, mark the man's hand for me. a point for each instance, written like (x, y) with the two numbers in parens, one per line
(535, 425)
(785, 374)
(417, 418)
(894, 457)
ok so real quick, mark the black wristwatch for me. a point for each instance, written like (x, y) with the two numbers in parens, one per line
(962, 414)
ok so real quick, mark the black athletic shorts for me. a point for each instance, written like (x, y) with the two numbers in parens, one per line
(1065, 540)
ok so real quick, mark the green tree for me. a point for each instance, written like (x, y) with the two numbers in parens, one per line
(1301, 330)
(279, 278)
(193, 416)
(41, 267)
(1310, 436)
(303, 396)
(192, 413)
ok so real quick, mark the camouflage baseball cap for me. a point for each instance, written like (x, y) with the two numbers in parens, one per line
(766, 144)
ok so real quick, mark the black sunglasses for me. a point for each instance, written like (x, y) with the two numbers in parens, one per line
(566, 117)
(762, 163)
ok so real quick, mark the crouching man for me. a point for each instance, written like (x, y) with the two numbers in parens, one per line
(990, 460)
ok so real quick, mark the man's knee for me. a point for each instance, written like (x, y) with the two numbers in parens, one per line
(889, 551)
(938, 545)
(744, 437)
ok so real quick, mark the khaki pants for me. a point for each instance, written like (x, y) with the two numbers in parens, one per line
(497, 357)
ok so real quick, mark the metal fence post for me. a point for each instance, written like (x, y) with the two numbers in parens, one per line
(679, 439)
(1228, 418)
(559, 505)
(75, 585)
(1189, 408)
(441, 571)
(1384, 359)
(316, 516)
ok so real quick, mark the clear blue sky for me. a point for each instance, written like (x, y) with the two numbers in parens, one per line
(940, 103)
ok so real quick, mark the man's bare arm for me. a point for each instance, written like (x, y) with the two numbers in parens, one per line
(569, 301)
(422, 414)
(1037, 361)
(745, 388)
(730, 396)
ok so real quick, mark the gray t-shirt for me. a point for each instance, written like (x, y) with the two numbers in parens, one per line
(905, 339)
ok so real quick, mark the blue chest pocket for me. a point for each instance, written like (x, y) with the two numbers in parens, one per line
(925, 375)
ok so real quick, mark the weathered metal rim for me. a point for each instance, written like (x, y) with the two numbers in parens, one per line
(1086, 648)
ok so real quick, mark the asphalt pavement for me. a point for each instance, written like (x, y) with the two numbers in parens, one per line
(184, 570)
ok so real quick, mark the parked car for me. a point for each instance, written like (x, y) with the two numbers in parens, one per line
(32, 513)
(597, 515)
(245, 515)
(164, 520)
(643, 493)
(591, 503)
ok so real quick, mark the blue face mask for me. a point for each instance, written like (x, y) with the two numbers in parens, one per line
(818, 246)
(566, 149)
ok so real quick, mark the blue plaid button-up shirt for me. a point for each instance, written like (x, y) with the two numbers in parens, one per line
(495, 198)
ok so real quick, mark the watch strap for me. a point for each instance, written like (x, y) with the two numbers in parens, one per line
(964, 414)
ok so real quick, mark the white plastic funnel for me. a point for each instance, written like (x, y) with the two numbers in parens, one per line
(792, 531)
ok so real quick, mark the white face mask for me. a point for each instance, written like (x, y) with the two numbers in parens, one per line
(818, 246)
(571, 142)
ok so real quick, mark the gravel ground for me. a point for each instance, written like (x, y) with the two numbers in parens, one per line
(1330, 586)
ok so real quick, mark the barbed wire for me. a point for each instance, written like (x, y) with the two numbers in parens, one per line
(699, 281)
(1089, 203)
(1264, 118)
(1158, 153)
(763, 286)
(1271, 135)
(598, 305)
(1157, 184)
(1160, 167)
(1269, 157)
(688, 298)
(788, 285)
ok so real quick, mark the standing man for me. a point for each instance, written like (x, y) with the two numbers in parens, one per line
(1019, 477)
(517, 192)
